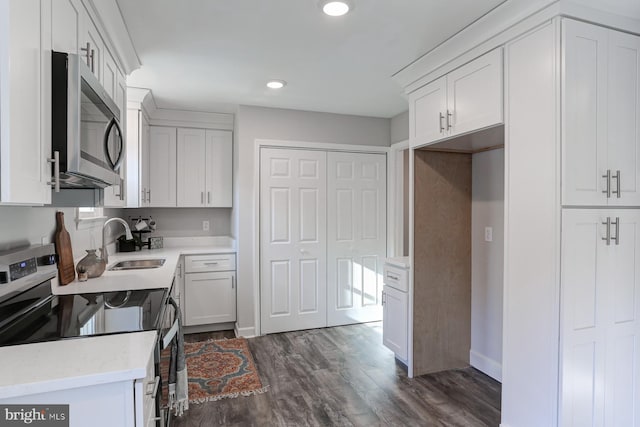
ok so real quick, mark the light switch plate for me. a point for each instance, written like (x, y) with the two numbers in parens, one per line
(205, 225)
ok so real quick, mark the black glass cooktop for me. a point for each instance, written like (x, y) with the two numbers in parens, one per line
(36, 315)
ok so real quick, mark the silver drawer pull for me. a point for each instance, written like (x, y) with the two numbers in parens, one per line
(618, 190)
(391, 276)
(154, 387)
(607, 176)
(211, 263)
(617, 236)
(607, 237)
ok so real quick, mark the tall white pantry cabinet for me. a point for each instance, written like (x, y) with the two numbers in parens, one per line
(600, 282)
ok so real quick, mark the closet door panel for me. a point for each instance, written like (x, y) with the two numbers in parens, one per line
(292, 240)
(356, 236)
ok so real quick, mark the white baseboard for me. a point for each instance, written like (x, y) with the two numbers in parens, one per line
(249, 332)
(486, 365)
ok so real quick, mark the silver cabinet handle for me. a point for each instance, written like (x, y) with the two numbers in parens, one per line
(202, 197)
(87, 49)
(180, 270)
(383, 297)
(233, 282)
(449, 119)
(149, 196)
(143, 196)
(392, 277)
(154, 390)
(56, 171)
(618, 190)
(617, 236)
(93, 65)
(209, 197)
(608, 235)
(441, 125)
(210, 263)
(607, 176)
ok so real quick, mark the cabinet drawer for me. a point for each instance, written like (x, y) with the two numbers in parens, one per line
(396, 277)
(214, 262)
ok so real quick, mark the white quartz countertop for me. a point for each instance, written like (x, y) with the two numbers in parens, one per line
(150, 278)
(59, 365)
(401, 261)
(70, 363)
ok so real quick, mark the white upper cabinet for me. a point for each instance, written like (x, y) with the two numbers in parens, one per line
(191, 167)
(91, 45)
(162, 167)
(601, 116)
(219, 170)
(25, 101)
(428, 107)
(204, 168)
(467, 99)
(110, 75)
(66, 25)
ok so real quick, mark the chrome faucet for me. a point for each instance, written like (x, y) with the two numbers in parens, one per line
(129, 236)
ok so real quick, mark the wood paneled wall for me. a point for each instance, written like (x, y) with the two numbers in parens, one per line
(442, 261)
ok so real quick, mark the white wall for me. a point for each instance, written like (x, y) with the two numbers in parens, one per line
(399, 127)
(27, 225)
(487, 260)
(185, 222)
(288, 125)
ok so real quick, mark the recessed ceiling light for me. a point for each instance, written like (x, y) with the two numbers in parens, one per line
(335, 8)
(276, 84)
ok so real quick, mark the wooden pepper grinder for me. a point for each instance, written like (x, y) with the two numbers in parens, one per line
(66, 271)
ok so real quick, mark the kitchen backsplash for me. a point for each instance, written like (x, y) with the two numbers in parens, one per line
(22, 225)
(184, 222)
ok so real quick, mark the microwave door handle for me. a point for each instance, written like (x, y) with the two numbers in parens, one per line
(113, 164)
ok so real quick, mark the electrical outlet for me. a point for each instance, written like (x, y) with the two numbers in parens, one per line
(45, 240)
(205, 225)
(488, 234)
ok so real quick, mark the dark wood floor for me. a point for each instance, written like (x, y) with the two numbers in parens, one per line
(344, 377)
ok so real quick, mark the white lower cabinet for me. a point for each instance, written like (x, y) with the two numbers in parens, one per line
(395, 321)
(600, 307)
(395, 303)
(209, 295)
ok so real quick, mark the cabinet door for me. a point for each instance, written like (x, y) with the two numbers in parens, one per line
(474, 94)
(600, 306)
(395, 321)
(110, 75)
(427, 116)
(191, 167)
(584, 103)
(66, 25)
(219, 169)
(25, 103)
(623, 118)
(91, 45)
(210, 298)
(162, 167)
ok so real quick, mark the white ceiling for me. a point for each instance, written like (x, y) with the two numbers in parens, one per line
(211, 55)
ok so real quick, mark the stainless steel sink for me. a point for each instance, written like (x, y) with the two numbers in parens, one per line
(138, 264)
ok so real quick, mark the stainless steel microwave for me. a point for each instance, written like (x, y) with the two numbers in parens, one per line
(86, 137)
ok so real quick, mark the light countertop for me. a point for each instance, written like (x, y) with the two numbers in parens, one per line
(129, 280)
(70, 363)
(401, 261)
(59, 365)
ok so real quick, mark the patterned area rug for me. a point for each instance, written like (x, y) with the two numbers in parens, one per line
(221, 369)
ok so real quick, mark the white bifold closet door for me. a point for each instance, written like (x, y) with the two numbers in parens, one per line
(293, 244)
(322, 238)
(357, 236)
